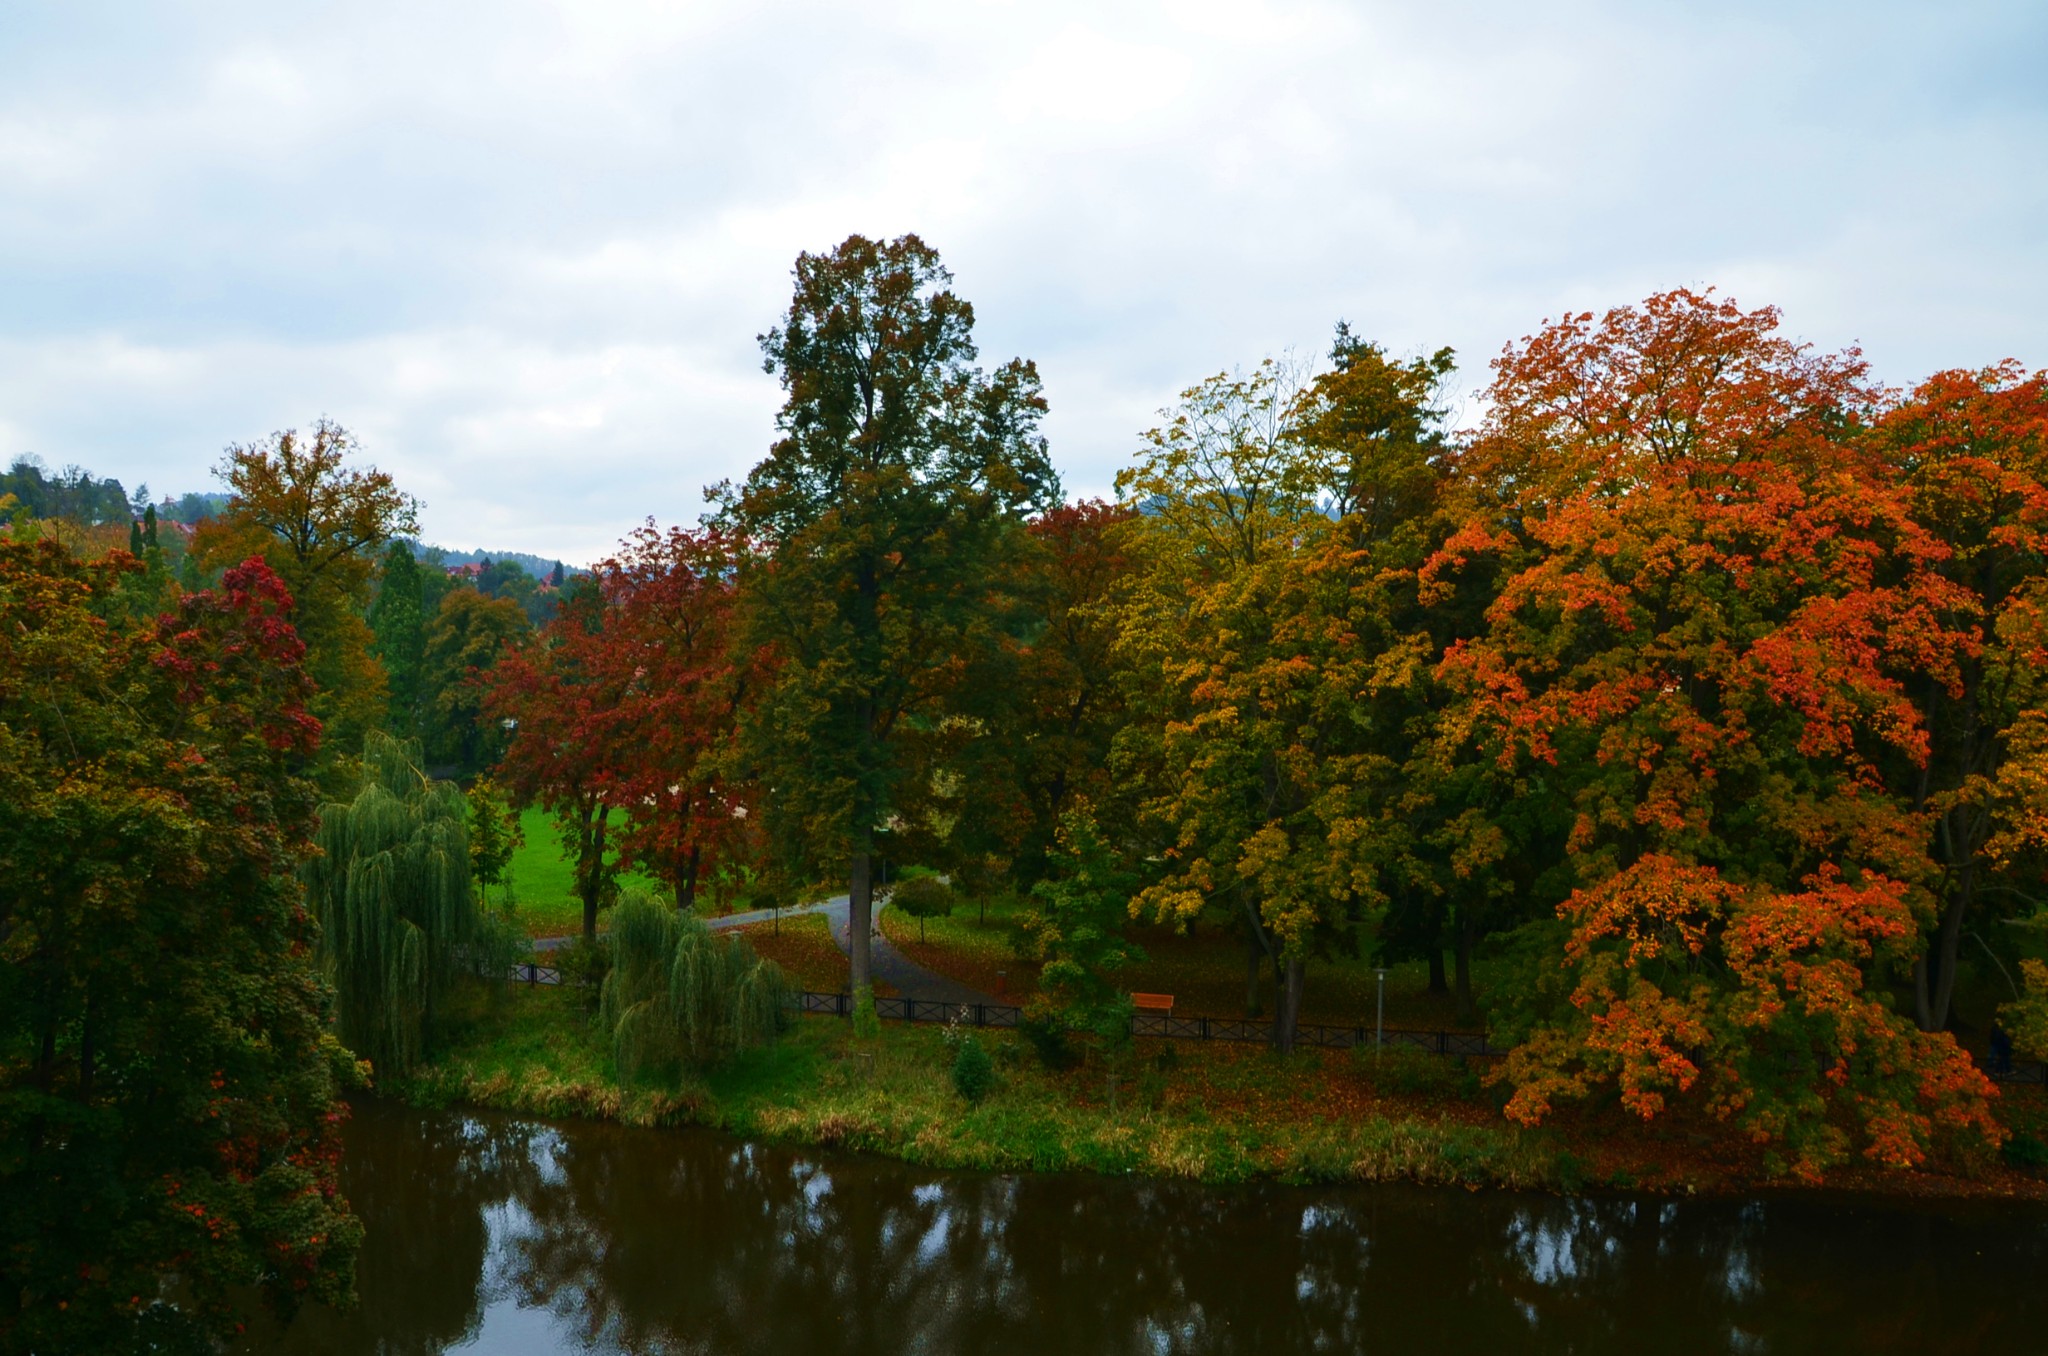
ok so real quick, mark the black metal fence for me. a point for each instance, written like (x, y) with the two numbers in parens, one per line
(1160, 1025)
(2019, 1073)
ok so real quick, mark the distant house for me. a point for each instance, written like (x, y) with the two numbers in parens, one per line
(474, 570)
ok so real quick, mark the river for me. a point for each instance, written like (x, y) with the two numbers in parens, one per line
(502, 1234)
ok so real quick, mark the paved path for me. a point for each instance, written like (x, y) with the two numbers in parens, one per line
(889, 966)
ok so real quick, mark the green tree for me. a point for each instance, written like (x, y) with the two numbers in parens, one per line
(1077, 930)
(679, 994)
(464, 641)
(883, 517)
(923, 897)
(398, 621)
(391, 889)
(494, 837)
(167, 1088)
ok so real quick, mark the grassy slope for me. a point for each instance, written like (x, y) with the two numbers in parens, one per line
(1216, 1113)
(1220, 1114)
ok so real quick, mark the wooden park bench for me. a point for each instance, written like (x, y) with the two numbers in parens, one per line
(1161, 1003)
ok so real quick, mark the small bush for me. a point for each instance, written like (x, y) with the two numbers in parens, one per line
(2025, 1151)
(1047, 1036)
(973, 1074)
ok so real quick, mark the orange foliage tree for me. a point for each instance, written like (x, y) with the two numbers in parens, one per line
(1716, 600)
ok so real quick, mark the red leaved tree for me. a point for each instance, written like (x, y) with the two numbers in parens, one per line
(562, 694)
(668, 636)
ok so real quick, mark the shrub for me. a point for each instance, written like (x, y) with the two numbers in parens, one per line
(2025, 1151)
(583, 969)
(1047, 1036)
(973, 1074)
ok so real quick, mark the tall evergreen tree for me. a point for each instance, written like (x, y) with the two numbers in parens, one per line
(398, 623)
(881, 515)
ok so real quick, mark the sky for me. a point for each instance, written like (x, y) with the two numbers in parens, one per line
(523, 250)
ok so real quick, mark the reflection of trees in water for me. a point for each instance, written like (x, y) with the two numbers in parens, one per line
(420, 1184)
(647, 1242)
(692, 1243)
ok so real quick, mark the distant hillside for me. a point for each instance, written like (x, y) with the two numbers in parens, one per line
(537, 566)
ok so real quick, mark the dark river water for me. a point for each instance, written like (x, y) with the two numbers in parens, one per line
(500, 1234)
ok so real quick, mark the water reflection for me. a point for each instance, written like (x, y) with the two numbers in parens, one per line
(507, 1235)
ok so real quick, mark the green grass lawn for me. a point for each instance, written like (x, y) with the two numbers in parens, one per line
(544, 880)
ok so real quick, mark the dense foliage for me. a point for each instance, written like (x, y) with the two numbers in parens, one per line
(167, 1090)
(1686, 716)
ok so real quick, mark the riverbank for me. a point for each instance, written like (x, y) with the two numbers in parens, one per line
(1211, 1113)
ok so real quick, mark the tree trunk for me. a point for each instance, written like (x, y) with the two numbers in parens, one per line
(1288, 1020)
(1437, 983)
(686, 880)
(590, 870)
(1468, 934)
(1934, 975)
(1253, 956)
(860, 916)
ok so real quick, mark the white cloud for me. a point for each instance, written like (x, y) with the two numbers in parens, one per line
(524, 248)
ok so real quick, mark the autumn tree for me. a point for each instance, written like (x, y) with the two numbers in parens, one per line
(1714, 595)
(880, 519)
(1285, 523)
(1972, 448)
(1040, 707)
(318, 522)
(168, 1114)
(562, 695)
(667, 636)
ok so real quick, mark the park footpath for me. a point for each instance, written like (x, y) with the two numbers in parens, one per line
(886, 964)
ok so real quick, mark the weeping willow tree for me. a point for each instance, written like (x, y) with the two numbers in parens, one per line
(680, 994)
(391, 888)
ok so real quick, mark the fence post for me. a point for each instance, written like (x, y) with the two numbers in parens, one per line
(1205, 1028)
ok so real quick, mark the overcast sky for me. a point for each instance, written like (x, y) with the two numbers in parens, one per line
(523, 250)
